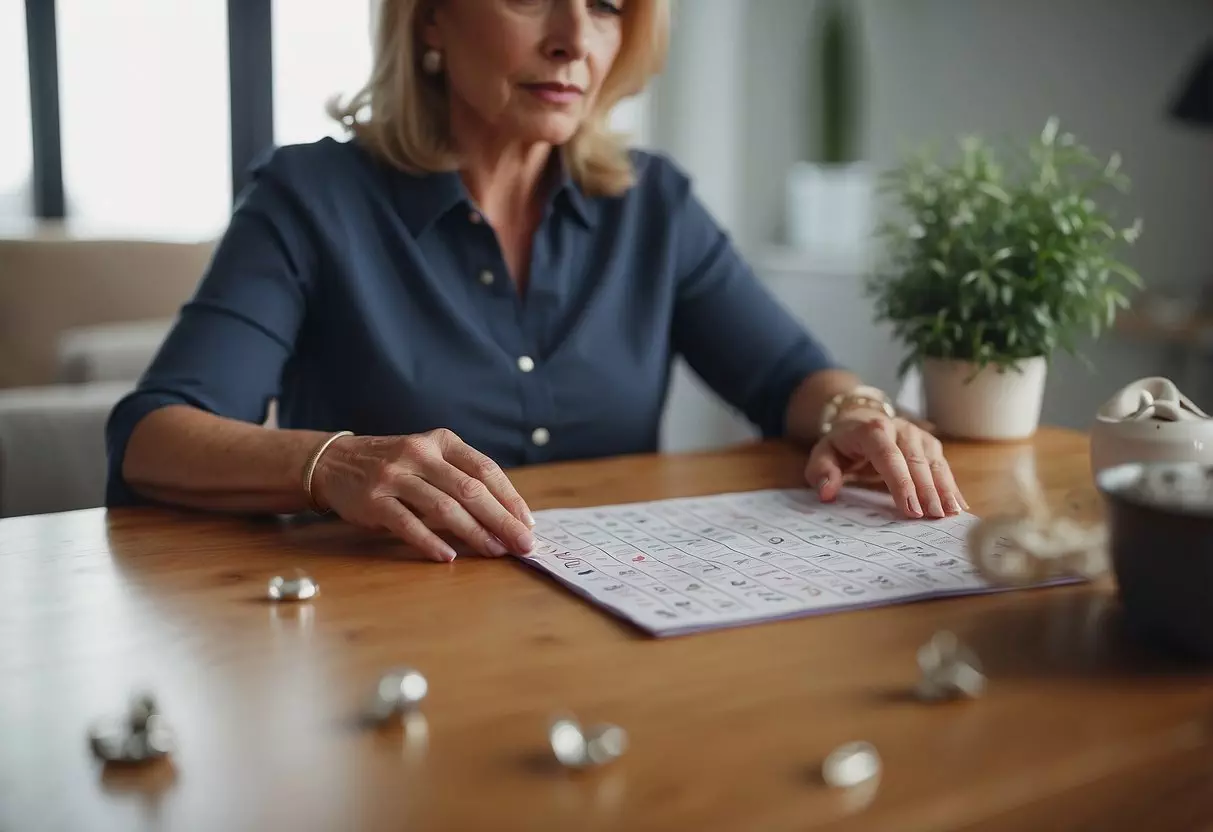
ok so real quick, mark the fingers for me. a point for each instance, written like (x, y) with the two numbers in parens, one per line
(908, 459)
(824, 472)
(945, 483)
(886, 457)
(454, 487)
(398, 520)
(921, 466)
(415, 484)
(473, 512)
(456, 513)
(478, 465)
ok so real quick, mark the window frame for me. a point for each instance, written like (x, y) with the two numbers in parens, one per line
(250, 93)
(250, 97)
(250, 49)
(42, 48)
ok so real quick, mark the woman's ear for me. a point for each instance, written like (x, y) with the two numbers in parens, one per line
(431, 36)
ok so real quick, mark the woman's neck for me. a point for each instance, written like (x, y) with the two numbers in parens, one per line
(506, 179)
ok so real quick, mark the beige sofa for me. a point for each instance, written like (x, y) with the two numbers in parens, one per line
(80, 317)
(54, 281)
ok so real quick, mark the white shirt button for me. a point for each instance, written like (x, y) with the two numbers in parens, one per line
(474, 218)
(526, 363)
(540, 436)
(486, 277)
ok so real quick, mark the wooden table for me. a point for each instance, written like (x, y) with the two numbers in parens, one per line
(1080, 728)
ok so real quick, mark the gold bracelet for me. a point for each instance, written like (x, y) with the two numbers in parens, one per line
(857, 397)
(310, 470)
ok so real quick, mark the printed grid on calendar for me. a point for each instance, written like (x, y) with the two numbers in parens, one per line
(697, 563)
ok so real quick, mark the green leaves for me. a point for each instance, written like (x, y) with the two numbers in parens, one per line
(992, 268)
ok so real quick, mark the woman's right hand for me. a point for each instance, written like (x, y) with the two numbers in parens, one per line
(412, 485)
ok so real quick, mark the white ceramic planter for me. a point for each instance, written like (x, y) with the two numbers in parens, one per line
(829, 209)
(994, 405)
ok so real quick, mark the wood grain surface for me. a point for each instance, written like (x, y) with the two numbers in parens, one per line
(1082, 727)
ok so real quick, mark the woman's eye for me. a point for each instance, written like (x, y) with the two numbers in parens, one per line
(606, 7)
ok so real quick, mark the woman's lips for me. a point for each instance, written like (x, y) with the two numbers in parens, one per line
(554, 93)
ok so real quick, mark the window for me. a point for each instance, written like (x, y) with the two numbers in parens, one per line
(144, 114)
(630, 117)
(322, 48)
(16, 147)
(150, 140)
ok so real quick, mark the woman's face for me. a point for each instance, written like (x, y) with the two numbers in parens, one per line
(525, 69)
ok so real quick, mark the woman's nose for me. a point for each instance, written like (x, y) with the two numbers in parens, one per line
(569, 31)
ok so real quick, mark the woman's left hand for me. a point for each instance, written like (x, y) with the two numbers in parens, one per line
(907, 458)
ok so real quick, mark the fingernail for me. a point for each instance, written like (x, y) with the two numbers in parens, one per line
(448, 553)
(526, 542)
(936, 508)
(822, 483)
(953, 506)
(912, 504)
(529, 519)
(495, 547)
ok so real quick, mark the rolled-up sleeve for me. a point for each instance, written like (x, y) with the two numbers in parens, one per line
(730, 329)
(226, 351)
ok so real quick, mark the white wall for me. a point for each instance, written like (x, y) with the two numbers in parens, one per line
(938, 68)
(694, 117)
(1108, 68)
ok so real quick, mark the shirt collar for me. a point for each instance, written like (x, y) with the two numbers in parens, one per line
(570, 193)
(423, 199)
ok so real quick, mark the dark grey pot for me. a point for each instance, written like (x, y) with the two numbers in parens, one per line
(1162, 552)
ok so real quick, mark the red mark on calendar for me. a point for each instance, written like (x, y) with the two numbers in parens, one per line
(638, 559)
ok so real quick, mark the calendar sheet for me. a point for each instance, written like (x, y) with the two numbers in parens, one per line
(698, 563)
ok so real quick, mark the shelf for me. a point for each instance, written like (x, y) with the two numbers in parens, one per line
(1194, 330)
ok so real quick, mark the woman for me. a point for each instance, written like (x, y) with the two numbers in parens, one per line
(480, 278)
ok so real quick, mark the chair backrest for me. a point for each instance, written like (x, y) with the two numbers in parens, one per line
(51, 283)
(109, 352)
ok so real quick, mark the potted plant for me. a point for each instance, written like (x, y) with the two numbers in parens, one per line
(992, 269)
(829, 191)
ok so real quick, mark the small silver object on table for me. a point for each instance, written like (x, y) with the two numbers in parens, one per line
(851, 764)
(949, 670)
(142, 737)
(576, 748)
(399, 691)
(301, 588)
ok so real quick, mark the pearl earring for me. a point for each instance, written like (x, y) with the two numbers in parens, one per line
(431, 61)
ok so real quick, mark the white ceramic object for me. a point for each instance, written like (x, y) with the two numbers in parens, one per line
(829, 209)
(993, 403)
(1030, 543)
(1020, 551)
(1150, 420)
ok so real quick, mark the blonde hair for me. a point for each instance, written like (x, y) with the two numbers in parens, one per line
(402, 115)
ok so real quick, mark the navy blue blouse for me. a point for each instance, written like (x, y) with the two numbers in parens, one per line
(367, 299)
